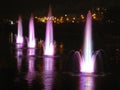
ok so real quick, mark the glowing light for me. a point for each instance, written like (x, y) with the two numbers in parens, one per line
(73, 21)
(94, 16)
(98, 9)
(11, 22)
(65, 15)
(36, 17)
(31, 41)
(82, 16)
(74, 18)
(49, 45)
(19, 38)
(67, 19)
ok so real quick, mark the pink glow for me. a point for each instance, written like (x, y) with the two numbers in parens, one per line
(31, 52)
(31, 41)
(88, 39)
(31, 64)
(31, 69)
(86, 58)
(49, 45)
(48, 70)
(87, 62)
(19, 38)
(48, 64)
(48, 81)
(86, 83)
(19, 59)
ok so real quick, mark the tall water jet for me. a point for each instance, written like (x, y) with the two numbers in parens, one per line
(87, 62)
(19, 37)
(49, 44)
(87, 58)
(31, 39)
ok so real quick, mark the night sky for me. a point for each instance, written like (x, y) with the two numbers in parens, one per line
(15, 7)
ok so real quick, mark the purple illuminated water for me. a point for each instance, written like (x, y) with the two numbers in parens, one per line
(48, 64)
(48, 73)
(19, 53)
(19, 37)
(86, 83)
(31, 66)
(49, 44)
(31, 39)
(48, 68)
(48, 51)
(87, 59)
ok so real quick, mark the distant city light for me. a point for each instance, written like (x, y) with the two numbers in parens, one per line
(97, 15)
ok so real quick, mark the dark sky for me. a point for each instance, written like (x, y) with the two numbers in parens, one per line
(15, 7)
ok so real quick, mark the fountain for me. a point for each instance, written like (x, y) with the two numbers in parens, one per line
(49, 51)
(19, 37)
(31, 40)
(49, 44)
(87, 58)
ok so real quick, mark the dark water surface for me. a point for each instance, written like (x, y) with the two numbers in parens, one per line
(21, 71)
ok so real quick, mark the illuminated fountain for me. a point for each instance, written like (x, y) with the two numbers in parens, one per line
(19, 44)
(48, 51)
(31, 39)
(19, 37)
(87, 58)
(49, 43)
(31, 52)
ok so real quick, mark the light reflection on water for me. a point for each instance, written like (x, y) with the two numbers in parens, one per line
(19, 59)
(31, 69)
(46, 73)
(48, 64)
(86, 83)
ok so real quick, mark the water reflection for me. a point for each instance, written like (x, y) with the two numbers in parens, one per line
(48, 73)
(48, 64)
(31, 67)
(86, 83)
(31, 52)
(19, 53)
